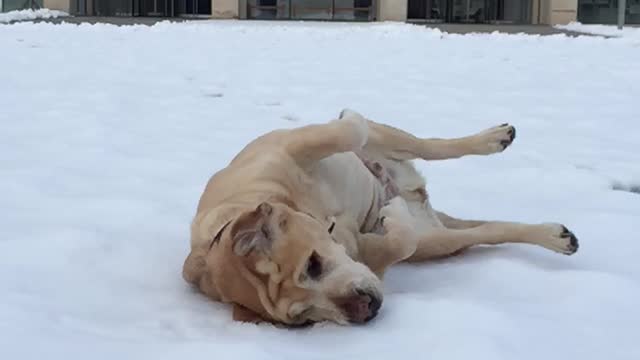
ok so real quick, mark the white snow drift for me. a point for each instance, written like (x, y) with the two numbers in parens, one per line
(605, 30)
(30, 14)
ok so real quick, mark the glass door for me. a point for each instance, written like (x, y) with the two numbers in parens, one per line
(154, 7)
(428, 10)
(509, 11)
(633, 12)
(490, 11)
(312, 9)
(268, 9)
(10, 5)
(115, 8)
(359, 10)
(193, 8)
(468, 11)
(354, 10)
(158, 8)
(606, 11)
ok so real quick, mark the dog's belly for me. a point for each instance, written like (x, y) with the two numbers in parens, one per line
(349, 188)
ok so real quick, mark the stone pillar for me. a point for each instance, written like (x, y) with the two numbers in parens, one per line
(535, 12)
(554, 12)
(62, 5)
(392, 10)
(225, 9)
(242, 10)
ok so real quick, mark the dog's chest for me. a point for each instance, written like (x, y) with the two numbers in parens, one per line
(345, 186)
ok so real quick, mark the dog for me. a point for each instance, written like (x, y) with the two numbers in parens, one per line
(301, 225)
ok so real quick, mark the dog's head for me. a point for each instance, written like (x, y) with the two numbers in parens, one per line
(280, 265)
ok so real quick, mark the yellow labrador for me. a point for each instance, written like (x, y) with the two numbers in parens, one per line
(303, 222)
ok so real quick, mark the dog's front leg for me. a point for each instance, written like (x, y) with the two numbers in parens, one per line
(311, 143)
(398, 243)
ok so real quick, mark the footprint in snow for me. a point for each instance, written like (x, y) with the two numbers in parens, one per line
(629, 187)
(272, 103)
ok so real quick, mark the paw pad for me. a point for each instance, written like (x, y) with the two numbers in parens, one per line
(573, 240)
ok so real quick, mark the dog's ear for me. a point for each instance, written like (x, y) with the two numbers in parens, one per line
(252, 231)
(194, 266)
(196, 272)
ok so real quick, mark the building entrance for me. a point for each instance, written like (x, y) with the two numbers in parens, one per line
(470, 11)
(355, 10)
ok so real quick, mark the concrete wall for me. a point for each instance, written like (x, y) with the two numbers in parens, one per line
(555, 12)
(392, 10)
(62, 5)
(225, 9)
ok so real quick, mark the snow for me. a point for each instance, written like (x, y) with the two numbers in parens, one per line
(110, 133)
(605, 30)
(30, 14)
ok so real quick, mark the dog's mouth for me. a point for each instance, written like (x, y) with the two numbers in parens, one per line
(301, 325)
(358, 308)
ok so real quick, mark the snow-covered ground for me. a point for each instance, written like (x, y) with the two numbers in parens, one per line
(110, 133)
(30, 14)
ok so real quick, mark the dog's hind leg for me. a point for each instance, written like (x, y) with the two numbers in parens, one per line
(445, 242)
(437, 241)
(455, 223)
(388, 142)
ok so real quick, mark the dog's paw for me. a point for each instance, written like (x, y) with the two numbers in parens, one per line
(397, 222)
(348, 113)
(396, 216)
(397, 210)
(495, 139)
(357, 127)
(559, 239)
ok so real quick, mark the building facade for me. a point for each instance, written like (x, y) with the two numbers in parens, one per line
(426, 11)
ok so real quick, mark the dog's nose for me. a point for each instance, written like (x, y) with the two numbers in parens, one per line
(374, 306)
(363, 306)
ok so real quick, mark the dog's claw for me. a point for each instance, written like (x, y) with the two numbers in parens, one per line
(512, 135)
(573, 240)
(497, 139)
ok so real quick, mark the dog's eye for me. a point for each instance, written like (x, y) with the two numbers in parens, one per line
(333, 225)
(314, 266)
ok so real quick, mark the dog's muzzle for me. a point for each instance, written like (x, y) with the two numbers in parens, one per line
(360, 307)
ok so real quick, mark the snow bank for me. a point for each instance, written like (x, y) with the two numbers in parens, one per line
(605, 30)
(30, 14)
(108, 135)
